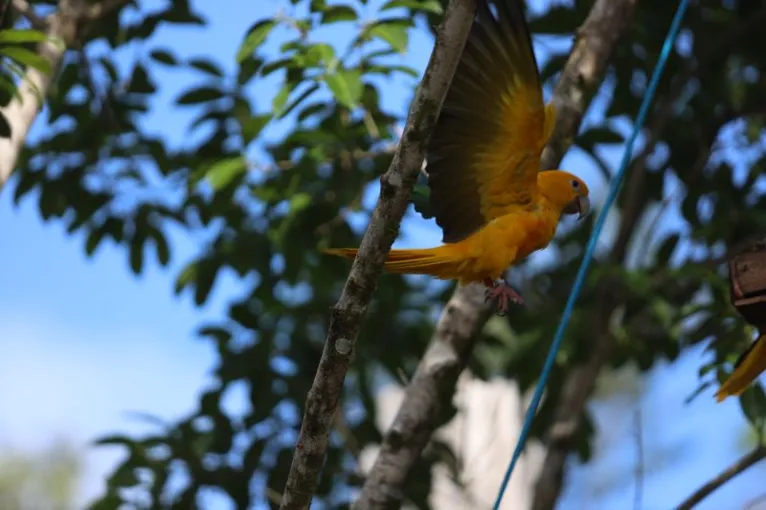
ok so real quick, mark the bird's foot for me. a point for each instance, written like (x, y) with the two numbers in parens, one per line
(504, 295)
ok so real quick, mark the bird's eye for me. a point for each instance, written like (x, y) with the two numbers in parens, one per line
(575, 184)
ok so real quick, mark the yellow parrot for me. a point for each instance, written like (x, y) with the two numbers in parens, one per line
(494, 205)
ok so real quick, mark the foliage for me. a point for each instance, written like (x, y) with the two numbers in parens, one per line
(111, 178)
(32, 480)
(16, 56)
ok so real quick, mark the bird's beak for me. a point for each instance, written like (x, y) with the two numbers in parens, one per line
(579, 206)
(583, 204)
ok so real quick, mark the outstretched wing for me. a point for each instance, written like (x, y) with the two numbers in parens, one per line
(484, 154)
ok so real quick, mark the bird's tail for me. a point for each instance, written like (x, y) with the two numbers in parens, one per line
(746, 370)
(438, 262)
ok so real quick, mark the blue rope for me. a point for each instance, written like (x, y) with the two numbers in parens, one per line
(580, 280)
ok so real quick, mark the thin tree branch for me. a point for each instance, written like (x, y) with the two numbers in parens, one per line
(395, 188)
(465, 314)
(727, 474)
(25, 9)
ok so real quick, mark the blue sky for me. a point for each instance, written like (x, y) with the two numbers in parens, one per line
(84, 342)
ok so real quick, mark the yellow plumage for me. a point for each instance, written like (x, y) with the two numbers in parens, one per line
(490, 199)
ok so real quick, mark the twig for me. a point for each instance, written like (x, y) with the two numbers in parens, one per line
(465, 314)
(738, 467)
(26, 10)
(395, 188)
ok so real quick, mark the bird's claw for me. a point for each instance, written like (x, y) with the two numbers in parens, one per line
(504, 294)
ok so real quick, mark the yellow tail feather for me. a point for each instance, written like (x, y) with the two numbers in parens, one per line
(431, 261)
(750, 365)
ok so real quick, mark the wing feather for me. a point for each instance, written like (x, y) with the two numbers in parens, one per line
(484, 154)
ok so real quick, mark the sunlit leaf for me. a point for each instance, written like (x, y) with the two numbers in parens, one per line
(346, 86)
(255, 37)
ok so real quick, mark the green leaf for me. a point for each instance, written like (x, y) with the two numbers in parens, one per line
(299, 202)
(222, 173)
(18, 36)
(338, 13)
(206, 66)
(137, 251)
(187, 276)
(27, 58)
(114, 440)
(394, 32)
(666, 249)
(124, 476)
(320, 53)
(280, 100)
(200, 95)
(276, 65)
(346, 86)
(255, 37)
(163, 57)
(753, 403)
(161, 245)
(247, 70)
(298, 100)
(253, 126)
(206, 275)
(431, 6)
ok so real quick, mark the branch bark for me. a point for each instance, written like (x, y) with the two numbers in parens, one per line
(735, 469)
(579, 382)
(25, 9)
(396, 186)
(465, 314)
(62, 29)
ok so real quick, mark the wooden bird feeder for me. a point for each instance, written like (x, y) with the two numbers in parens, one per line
(747, 274)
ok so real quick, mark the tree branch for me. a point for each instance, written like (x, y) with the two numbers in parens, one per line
(580, 381)
(64, 26)
(395, 188)
(426, 398)
(465, 314)
(22, 7)
(735, 469)
(22, 110)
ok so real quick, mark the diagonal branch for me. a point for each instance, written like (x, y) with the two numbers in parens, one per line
(434, 381)
(395, 188)
(727, 474)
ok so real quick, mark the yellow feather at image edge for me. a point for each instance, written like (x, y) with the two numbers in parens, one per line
(752, 363)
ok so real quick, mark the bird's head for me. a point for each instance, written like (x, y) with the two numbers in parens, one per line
(566, 192)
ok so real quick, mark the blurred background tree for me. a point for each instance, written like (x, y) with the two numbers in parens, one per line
(274, 151)
(32, 480)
